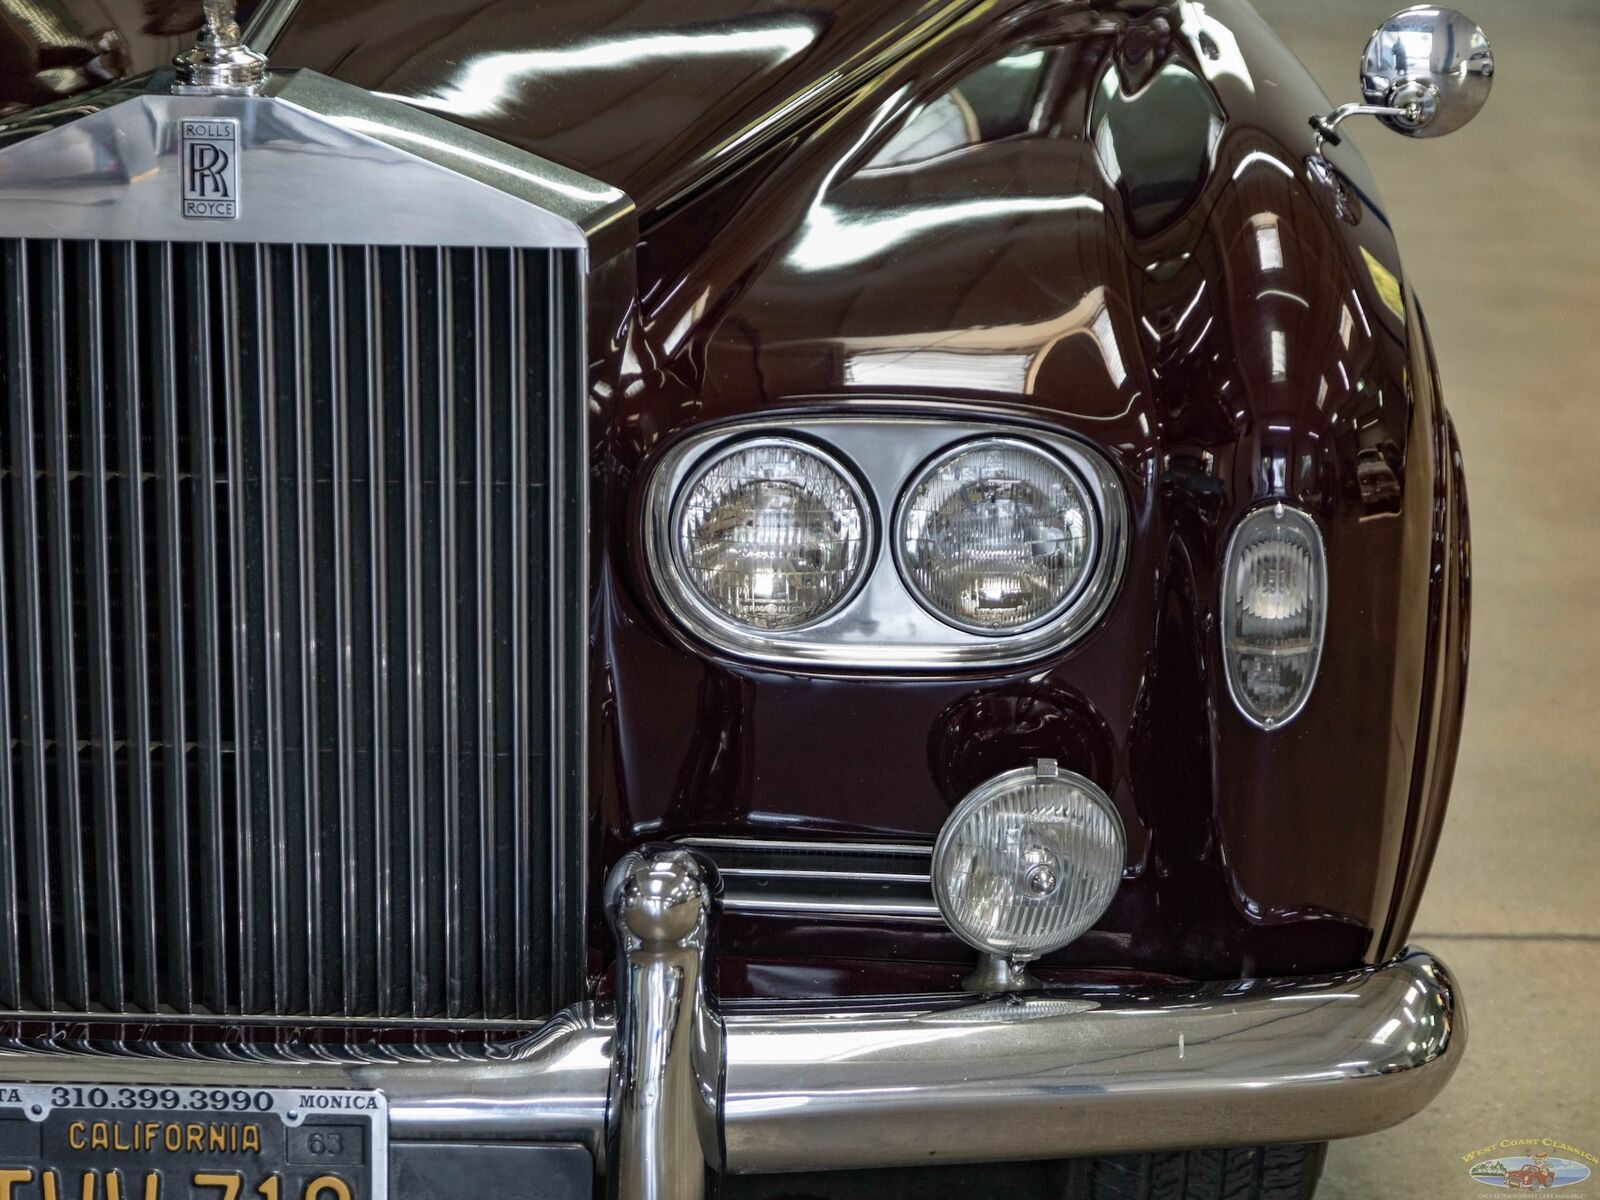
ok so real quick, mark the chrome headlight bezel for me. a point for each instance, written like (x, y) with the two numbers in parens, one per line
(883, 625)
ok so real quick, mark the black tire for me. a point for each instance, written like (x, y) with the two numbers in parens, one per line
(1263, 1173)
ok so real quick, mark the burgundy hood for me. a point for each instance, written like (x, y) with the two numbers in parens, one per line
(646, 95)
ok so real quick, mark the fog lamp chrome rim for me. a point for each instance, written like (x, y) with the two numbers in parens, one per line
(1042, 870)
(1092, 569)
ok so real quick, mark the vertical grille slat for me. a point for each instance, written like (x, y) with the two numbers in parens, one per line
(32, 732)
(64, 586)
(10, 926)
(197, 385)
(416, 733)
(126, 400)
(33, 775)
(351, 784)
(305, 398)
(456, 983)
(100, 645)
(162, 367)
(236, 284)
(489, 852)
(15, 379)
(384, 924)
(277, 569)
(526, 368)
(275, 311)
(563, 446)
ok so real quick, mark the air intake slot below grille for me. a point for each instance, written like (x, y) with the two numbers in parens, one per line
(276, 628)
(849, 881)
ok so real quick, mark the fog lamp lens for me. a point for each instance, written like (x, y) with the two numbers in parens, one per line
(1028, 862)
(996, 536)
(1274, 609)
(771, 534)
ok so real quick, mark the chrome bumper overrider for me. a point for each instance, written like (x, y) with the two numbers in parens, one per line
(671, 1086)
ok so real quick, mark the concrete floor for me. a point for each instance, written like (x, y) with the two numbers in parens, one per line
(1500, 227)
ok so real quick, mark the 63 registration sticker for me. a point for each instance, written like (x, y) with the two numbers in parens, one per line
(72, 1141)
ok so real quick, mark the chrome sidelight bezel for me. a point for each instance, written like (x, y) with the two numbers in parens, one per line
(884, 625)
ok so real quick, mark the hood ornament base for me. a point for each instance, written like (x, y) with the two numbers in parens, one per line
(220, 63)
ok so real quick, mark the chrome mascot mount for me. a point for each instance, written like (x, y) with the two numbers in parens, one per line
(220, 63)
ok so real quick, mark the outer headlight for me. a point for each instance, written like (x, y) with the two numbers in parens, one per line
(771, 534)
(1028, 862)
(996, 536)
(1274, 611)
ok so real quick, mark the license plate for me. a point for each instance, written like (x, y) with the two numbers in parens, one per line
(72, 1141)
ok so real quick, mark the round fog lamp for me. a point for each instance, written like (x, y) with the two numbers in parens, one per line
(1028, 862)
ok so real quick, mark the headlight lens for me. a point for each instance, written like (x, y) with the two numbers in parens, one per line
(1274, 609)
(771, 534)
(996, 536)
(1028, 862)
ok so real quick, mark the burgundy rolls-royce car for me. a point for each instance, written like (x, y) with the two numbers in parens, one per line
(610, 596)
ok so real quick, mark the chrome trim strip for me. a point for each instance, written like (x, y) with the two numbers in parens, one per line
(866, 910)
(785, 873)
(883, 626)
(1057, 1073)
(842, 880)
(714, 843)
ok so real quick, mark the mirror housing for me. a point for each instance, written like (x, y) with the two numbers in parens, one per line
(1427, 71)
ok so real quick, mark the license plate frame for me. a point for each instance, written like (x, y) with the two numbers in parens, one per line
(107, 1141)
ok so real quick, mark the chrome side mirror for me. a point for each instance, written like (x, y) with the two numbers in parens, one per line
(1427, 72)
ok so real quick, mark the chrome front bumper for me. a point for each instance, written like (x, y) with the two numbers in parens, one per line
(670, 1086)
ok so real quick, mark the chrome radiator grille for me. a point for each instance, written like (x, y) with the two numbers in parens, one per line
(280, 610)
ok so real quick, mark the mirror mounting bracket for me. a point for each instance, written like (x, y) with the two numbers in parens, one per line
(1327, 127)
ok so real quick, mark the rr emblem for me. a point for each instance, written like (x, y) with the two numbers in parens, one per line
(210, 159)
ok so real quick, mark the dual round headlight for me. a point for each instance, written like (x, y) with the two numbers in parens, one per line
(772, 534)
(994, 536)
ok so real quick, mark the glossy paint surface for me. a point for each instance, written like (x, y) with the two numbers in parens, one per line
(643, 94)
(1138, 255)
(1105, 221)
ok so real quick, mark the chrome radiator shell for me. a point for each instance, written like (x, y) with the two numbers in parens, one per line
(281, 695)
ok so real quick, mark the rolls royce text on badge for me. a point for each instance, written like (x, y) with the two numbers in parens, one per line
(692, 590)
(210, 153)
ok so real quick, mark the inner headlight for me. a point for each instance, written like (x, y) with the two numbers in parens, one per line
(996, 536)
(771, 534)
